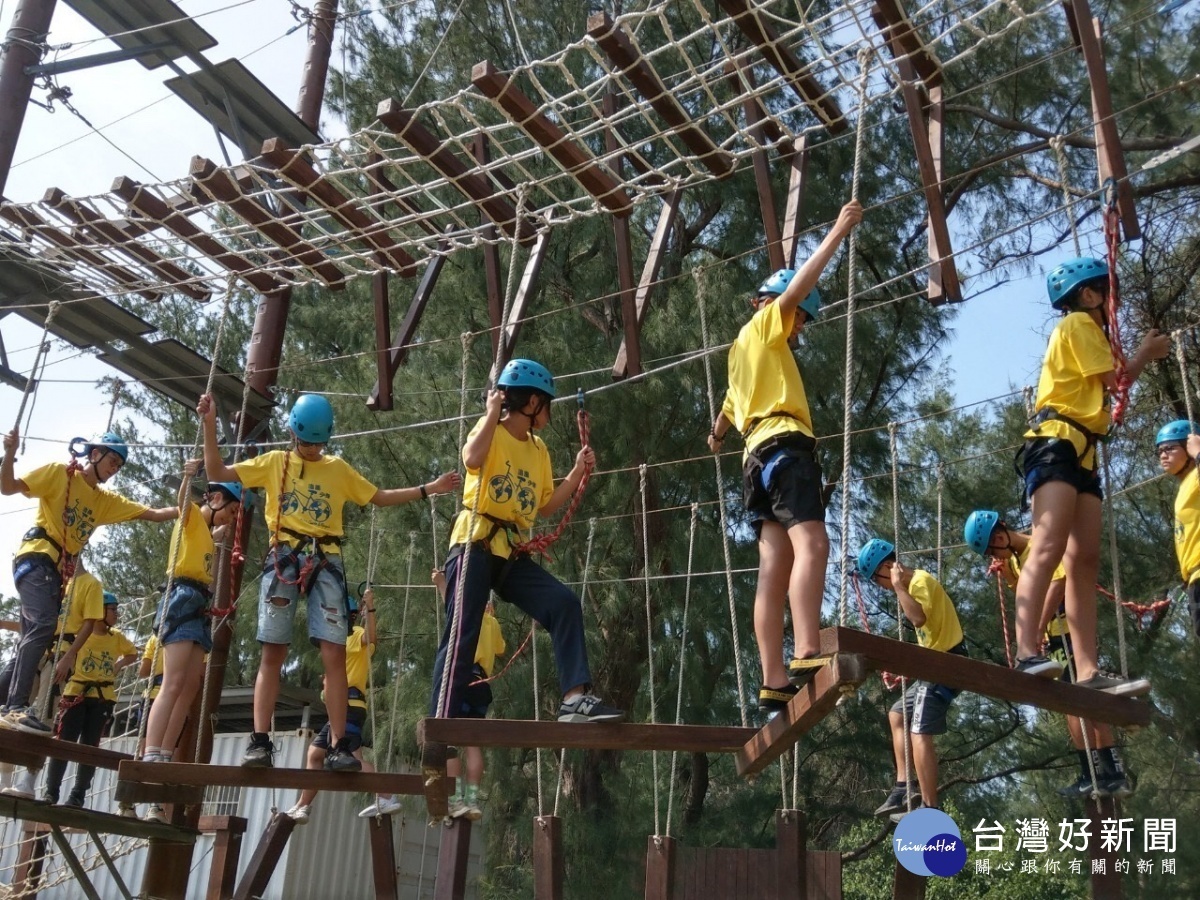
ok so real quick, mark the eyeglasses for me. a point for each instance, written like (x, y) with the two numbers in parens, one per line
(1168, 448)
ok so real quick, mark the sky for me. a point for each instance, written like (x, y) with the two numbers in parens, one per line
(998, 340)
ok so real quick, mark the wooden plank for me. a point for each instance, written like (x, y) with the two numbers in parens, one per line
(295, 167)
(797, 179)
(217, 824)
(824, 874)
(220, 185)
(649, 280)
(590, 736)
(436, 784)
(472, 185)
(104, 229)
(907, 886)
(227, 851)
(905, 42)
(745, 16)
(762, 174)
(911, 661)
(38, 746)
(547, 858)
(573, 157)
(660, 868)
(791, 861)
(491, 256)
(90, 819)
(618, 46)
(82, 882)
(815, 701)
(266, 855)
(382, 394)
(299, 779)
(1105, 885)
(383, 857)
(145, 203)
(453, 856)
(632, 326)
(141, 792)
(525, 292)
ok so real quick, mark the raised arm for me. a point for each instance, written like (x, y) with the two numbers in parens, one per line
(214, 465)
(809, 274)
(476, 448)
(162, 514)
(446, 483)
(913, 611)
(9, 483)
(368, 611)
(584, 460)
(1155, 345)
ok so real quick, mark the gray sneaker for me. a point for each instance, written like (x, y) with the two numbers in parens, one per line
(588, 708)
(1043, 666)
(1116, 685)
(259, 755)
(26, 720)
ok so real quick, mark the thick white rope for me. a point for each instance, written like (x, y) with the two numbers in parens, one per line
(1176, 339)
(908, 758)
(1115, 561)
(391, 744)
(643, 488)
(583, 591)
(1056, 144)
(683, 634)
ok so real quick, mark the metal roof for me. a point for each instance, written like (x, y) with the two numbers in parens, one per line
(134, 24)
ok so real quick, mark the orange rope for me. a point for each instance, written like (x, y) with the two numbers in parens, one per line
(1112, 239)
(890, 681)
(996, 567)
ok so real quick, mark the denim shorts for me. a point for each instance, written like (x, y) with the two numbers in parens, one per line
(327, 616)
(182, 617)
(1055, 459)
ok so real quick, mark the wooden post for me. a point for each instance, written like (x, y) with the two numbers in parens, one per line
(491, 256)
(791, 836)
(547, 858)
(383, 857)
(227, 850)
(660, 868)
(824, 874)
(452, 860)
(383, 341)
(762, 172)
(31, 858)
(624, 247)
(266, 857)
(906, 885)
(795, 201)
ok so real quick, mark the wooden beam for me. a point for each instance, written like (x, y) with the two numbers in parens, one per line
(382, 395)
(745, 16)
(37, 747)
(791, 860)
(907, 886)
(649, 280)
(797, 178)
(299, 779)
(106, 230)
(618, 46)
(574, 158)
(266, 854)
(525, 292)
(938, 251)
(453, 855)
(220, 185)
(631, 343)
(84, 819)
(471, 184)
(145, 203)
(436, 784)
(491, 255)
(660, 868)
(596, 736)
(814, 702)
(762, 174)
(904, 41)
(547, 858)
(383, 857)
(824, 874)
(227, 851)
(141, 792)
(31, 859)
(295, 167)
(946, 287)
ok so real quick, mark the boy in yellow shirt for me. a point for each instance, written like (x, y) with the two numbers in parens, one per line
(88, 699)
(306, 490)
(931, 612)
(1178, 448)
(72, 504)
(1059, 465)
(781, 476)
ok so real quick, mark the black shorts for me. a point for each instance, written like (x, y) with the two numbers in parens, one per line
(1193, 595)
(1054, 459)
(356, 718)
(477, 697)
(794, 493)
(1059, 649)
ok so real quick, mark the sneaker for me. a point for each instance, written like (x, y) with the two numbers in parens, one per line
(588, 708)
(1118, 787)
(260, 754)
(154, 758)
(802, 670)
(299, 813)
(74, 802)
(1043, 666)
(897, 816)
(339, 759)
(25, 720)
(474, 813)
(897, 800)
(127, 811)
(773, 700)
(1116, 685)
(155, 813)
(1081, 789)
(460, 809)
(24, 783)
(383, 806)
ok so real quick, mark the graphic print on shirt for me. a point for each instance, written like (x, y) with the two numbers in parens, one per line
(503, 487)
(104, 665)
(82, 519)
(313, 506)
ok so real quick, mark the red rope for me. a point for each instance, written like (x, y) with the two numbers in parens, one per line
(996, 567)
(542, 543)
(1112, 239)
(890, 681)
(512, 659)
(68, 559)
(1145, 614)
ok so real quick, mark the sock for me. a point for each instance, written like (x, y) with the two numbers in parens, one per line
(1111, 762)
(1099, 761)
(472, 794)
(259, 737)
(456, 798)
(151, 753)
(165, 755)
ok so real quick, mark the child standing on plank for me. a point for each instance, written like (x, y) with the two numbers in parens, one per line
(1178, 447)
(781, 477)
(510, 483)
(306, 490)
(925, 704)
(72, 504)
(1059, 466)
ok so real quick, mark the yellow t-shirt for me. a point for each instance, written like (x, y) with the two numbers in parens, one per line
(941, 630)
(1072, 382)
(1058, 624)
(1187, 526)
(519, 481)
(357, 656)
(491, 644)
(97, 661)
(314, 494)
(193, 539)
(765, 392)
(90, 508)
(156, 667)
(86, 602)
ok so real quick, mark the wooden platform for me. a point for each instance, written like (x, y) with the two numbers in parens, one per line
(582, 736)
(30, 750)
(857, 653)
(195, 774)
(91, 821)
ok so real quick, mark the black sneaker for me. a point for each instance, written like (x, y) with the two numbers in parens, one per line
(772, 700)
(74, 802)
(900, 814)
(340, 759)
(1116, 685)
(1081, 789)
(588, 708)
(1040, 665)
(1117, 786)
(801, 670)
(897, 800)
(260, 754)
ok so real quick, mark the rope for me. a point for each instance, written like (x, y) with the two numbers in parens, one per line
(465, 338)
(43, 351)
(1056, 144)
(391, 743)
(1112, 240)
(541, 544)
(1115, 561)
(583, 589)
(537, 716)
(373, 541)
(908, 760)
(687, 598)
(941, 484)
(643, 488)
(1176, 339)
(509, 286)
(702, 298)
(112, 409)
(996, 568)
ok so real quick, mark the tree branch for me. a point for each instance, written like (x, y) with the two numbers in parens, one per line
(1070, 140)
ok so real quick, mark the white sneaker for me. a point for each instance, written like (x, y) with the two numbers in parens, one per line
(24, 783)
(155, 813)
(459, 809)
(299, 813)
(127, 811)
(383, 806)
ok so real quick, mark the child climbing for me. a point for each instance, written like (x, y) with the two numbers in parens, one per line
(925, 704)
(1178, 448)
(781, 477)
(1059, 462)
(306, 490)
(509, 484)
(989, 536)
(72, 504)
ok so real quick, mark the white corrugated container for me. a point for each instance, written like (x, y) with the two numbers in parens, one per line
(329, 857)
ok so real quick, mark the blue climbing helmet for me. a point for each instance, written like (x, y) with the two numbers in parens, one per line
(1067, 277)
(110, 599)
(311, 419)
(978, 530)
(235, 490)
(872, 554)
(109, 442)
(525, 373)
(1175, 431)
(777, 284)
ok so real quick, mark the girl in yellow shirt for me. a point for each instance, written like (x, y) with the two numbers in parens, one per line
(1178, 447)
